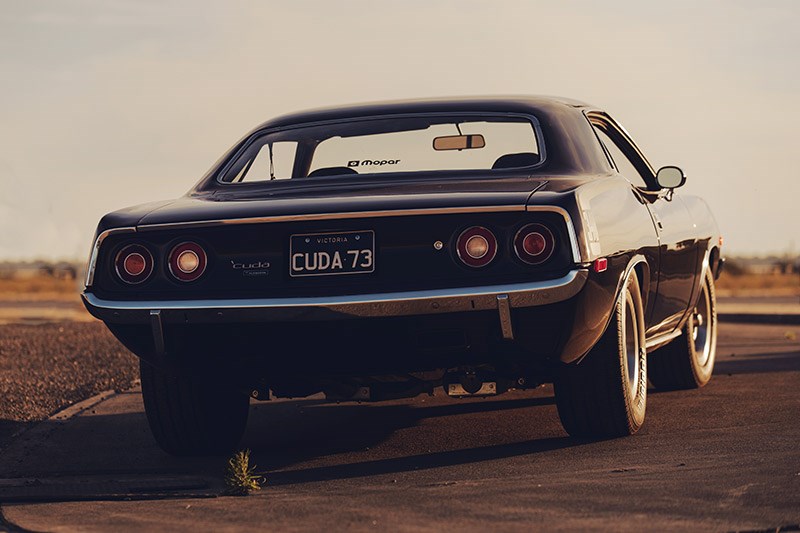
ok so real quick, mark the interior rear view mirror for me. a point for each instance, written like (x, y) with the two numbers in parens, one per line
(459, 142)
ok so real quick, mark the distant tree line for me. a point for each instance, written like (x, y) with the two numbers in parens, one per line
(28, 269)
(738, 266)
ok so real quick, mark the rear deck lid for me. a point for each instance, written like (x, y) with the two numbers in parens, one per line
(343, 199)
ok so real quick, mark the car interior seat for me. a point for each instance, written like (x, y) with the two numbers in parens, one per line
(332, 171)
(522, 159)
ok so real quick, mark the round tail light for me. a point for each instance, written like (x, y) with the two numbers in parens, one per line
(534, 244)
(476, 246)
(187, 261)
(134, 264)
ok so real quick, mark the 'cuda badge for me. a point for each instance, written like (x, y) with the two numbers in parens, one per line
(257, 265)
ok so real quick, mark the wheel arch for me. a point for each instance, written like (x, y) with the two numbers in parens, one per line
(595, 304)
(713, 261)
(708, 264)
(639, 265)
(642, 269)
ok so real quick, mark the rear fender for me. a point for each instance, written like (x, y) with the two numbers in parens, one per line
(594, 306)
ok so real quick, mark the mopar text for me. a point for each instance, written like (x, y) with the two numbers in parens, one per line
(372, 162)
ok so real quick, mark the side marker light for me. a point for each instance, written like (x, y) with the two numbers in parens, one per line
(600, 265)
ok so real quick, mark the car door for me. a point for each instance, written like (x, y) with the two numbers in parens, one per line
(678, 246)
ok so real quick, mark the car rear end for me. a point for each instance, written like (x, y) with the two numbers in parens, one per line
(372, 245)
(388, 292)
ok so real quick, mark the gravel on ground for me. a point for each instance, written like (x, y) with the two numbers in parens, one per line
(47, 367)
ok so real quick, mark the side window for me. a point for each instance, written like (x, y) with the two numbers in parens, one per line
(258, 167)
(621, 161)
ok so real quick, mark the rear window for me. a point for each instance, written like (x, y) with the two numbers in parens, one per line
(388, 145)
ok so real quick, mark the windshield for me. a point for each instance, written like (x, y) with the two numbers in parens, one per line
(398, 144)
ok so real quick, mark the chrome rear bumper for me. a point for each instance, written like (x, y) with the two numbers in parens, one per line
(502, 298)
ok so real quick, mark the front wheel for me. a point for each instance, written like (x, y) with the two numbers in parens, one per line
(688, 361)
(191, 417)
(605, 394)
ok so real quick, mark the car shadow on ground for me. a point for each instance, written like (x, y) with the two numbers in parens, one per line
(758, 364)
(310, 440)
(9, 428)
(351, 431)
(419, 462)
(296, 441)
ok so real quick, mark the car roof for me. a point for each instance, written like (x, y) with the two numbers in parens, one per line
(571, 143)
(482, 104)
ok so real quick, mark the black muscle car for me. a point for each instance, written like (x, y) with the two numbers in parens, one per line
(381, 251)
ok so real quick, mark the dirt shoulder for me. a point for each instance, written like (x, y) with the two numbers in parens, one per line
(39, 288)
(758, 285)
(46, 367)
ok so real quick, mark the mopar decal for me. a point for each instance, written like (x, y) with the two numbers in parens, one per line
(372, 162)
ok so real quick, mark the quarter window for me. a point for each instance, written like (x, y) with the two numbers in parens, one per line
(265, 166)
(621, 161)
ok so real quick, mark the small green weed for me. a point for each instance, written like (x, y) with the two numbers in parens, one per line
(241, 478)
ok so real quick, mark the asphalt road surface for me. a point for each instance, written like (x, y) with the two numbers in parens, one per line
(725, 457)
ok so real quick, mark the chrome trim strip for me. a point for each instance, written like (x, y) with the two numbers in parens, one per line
(662, 339)
(703, 269)
(432, 301)
(573, 239)
(330, 216)
(96, 252)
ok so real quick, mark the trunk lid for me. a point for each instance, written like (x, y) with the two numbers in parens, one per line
(224, 204)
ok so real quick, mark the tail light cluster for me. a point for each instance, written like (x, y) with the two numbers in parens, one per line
(134, 264)
(533, 244)
(476, 246)
(186, 262)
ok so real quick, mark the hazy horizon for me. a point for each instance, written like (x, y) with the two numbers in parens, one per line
(112, 103)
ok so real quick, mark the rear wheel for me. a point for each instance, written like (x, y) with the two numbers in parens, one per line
(191, 417)
(688, 361)
(605, 395)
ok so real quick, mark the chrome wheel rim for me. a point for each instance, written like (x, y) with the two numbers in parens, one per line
(631, 343)
(701, 324)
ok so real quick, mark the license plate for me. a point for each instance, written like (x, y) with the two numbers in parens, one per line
(324, 254)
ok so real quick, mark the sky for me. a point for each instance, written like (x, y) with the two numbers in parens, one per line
(110, 103)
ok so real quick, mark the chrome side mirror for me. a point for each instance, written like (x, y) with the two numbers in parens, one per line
(670, 177)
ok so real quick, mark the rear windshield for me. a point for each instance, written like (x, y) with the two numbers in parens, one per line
(398, 144)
